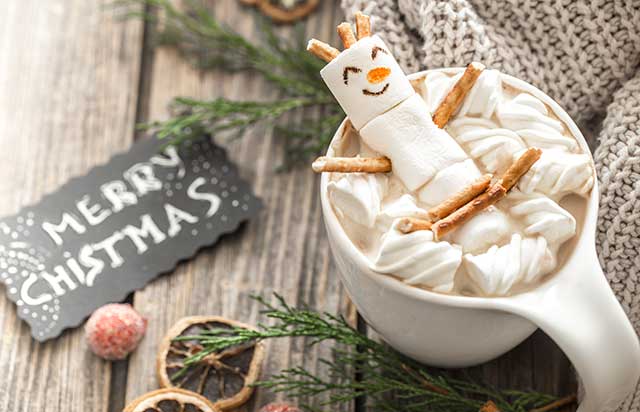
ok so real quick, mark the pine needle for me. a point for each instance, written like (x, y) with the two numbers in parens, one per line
(208, 44)
(388, 380)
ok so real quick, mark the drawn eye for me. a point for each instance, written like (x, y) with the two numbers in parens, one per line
(347, 70)
(375, 50)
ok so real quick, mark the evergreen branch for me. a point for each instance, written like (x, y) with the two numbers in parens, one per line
(389, 381)
(196, 34)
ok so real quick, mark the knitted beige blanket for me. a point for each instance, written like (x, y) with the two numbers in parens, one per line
(584, 54)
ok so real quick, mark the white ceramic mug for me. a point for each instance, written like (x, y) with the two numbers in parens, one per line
(575, 306)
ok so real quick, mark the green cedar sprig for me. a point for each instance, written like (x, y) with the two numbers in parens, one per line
(360, 368)
(208, 44)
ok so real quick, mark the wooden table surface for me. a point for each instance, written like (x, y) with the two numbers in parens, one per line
(74, 81)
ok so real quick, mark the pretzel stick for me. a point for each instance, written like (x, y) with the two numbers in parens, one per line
(520, 167)
(460, 198)
(408, 225)
(466, 212)
(454, 98)
(363, 25)
(346, 34)
(322, 50)
(352, 164)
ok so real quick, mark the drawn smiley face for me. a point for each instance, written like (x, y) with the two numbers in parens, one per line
(376, 76)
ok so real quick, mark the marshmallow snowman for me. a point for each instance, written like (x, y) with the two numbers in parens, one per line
(392, 118)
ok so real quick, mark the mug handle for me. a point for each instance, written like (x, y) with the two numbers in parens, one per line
(578, 310)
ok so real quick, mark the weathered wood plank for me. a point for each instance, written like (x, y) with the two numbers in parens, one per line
(283, 250)
(68, 82)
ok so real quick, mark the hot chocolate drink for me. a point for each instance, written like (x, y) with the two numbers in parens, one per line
(470, 177)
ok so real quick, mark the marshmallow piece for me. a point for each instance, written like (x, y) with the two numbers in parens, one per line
(448, 181)
(357, 196)
(489, 227)
(529, 117)
(542, 216)
(484, 97)
(418, 149)
(357, 80)
(558, 173)
(418, 259)
(404, 206)
(500, 268)
(492, 146)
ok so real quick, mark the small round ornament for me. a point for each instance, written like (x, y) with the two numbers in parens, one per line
(114, 330)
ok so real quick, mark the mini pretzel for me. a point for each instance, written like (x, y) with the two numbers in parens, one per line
(346, 34)
(454, 98)
(466, 212)
(460, 198)
(322, 50)
(352, 164)
(363, 25)
(520, 167)
(408, 225)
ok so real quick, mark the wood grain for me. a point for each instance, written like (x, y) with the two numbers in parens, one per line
(74, 82)
(284, 250)
(68, 82)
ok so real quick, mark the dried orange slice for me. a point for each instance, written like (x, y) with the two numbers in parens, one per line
(224, 378)
(284, 11)
(171, 400)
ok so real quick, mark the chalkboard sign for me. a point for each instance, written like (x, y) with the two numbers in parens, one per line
(108, 233)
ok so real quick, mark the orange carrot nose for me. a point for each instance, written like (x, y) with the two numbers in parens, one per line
(378, 74)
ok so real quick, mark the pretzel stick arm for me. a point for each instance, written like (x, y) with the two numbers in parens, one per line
(454, 98)
(408, 225)
(466, 212)
(352, 164)
(322, 50)
(460, 198)
(346, 34)
(363, 25)
(520, 167)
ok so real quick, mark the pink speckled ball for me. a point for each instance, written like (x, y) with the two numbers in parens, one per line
(114, 330)
(279, 407)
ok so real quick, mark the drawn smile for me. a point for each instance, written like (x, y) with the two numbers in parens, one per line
(378, 93)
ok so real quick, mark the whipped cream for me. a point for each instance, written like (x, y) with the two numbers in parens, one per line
(542, 216)
(522, 260)
(357, 196)
(506, 248)
(418, 259)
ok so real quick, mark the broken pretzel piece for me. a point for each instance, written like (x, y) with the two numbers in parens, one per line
(460, 198)
(469, 210)
(352, 164)
(363, 25)
(322, 50)
(408, 225)
(520, 167)
(454, 98)
(346, 34)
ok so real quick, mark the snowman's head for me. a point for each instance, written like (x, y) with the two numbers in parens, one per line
(366, 80)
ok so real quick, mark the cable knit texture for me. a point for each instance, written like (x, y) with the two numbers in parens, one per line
(584, 54)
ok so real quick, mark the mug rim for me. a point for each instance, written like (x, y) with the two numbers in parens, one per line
(488, 302)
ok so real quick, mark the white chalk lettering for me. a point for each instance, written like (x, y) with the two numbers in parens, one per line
(116, 192)
(170, 159)
(61, 277)
(68, 220)
(95, 265)
(142, 178)
(94, 214)
(108, 246)
(25, 295)
(212, 198)
(175, 216)
(147, 227)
